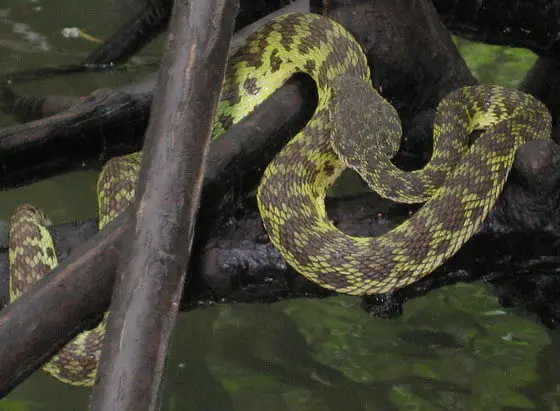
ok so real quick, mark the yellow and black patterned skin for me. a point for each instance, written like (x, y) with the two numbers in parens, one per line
(461, 184)
(353, 126)
(31, 256)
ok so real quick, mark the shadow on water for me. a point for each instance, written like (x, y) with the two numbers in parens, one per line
(455, 348)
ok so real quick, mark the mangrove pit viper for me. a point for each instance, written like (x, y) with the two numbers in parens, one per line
(353, 126)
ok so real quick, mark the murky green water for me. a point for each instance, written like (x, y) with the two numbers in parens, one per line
(455, 348)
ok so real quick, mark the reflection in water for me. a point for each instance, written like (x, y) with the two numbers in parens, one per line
(455, 348)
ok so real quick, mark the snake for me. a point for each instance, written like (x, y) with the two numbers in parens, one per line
(353, 127)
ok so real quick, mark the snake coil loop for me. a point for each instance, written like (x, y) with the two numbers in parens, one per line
(353, 126)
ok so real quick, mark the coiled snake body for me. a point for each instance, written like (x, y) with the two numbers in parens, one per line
(353, 126)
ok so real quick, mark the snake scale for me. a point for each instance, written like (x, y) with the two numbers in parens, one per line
(353, 126)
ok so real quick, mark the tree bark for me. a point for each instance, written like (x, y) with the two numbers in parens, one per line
(151, 275)
(105, 124)
(32, 337)
(403, 46)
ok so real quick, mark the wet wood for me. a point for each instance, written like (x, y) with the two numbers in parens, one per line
(226, 174)
(69, 141)
(73, 139)
(29, 108)
(235, 262)
(148, 23)
(157, 245)
(84, 259)
(105, 124)
(31, 336)
(542, 82)
(523, 23)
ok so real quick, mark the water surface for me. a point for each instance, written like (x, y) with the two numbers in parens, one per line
(455, 348)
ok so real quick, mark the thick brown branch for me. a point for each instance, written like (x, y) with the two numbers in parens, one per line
(235, 264)
(151, 275)
(136, 33)
(226, 175)
(105, 124)
(19, 360)
(73, 138)
(412, 36)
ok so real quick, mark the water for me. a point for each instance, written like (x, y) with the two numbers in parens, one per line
(455, 348)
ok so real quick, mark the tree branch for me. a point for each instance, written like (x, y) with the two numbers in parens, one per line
(151, 275)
